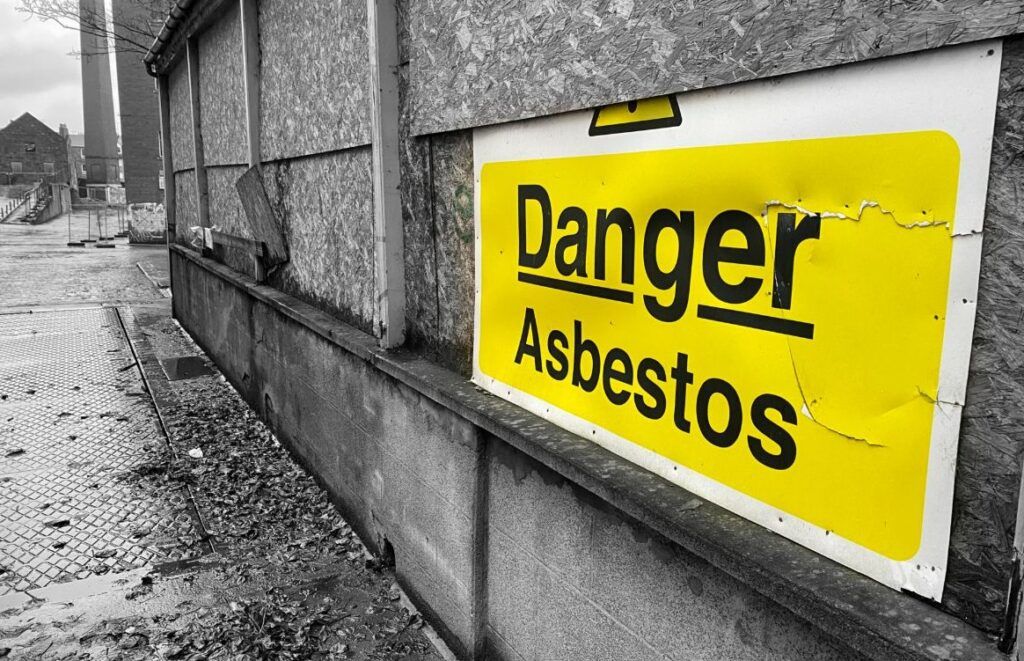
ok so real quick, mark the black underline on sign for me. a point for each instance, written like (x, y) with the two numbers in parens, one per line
(758, 321)
(577, 287)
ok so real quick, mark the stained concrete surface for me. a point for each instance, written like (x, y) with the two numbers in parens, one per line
(264, 566)
(38, 268)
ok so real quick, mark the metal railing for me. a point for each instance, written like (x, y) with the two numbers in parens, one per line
(8, 211)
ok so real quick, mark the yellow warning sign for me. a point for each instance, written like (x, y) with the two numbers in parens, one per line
(782, 340)
(659, 112)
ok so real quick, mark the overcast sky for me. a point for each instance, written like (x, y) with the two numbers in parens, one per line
(38, 74)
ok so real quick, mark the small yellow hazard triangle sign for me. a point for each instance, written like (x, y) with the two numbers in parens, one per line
(657, 113)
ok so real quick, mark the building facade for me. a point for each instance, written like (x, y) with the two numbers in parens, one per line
(31, 152)
(140, 120)
(77, 142)
(328, 167)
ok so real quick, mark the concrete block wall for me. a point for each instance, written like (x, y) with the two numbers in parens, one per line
(570, 578)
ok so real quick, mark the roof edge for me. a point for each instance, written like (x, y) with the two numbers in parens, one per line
(174, 19)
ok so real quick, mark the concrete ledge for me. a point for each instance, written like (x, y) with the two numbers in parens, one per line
(861, 614)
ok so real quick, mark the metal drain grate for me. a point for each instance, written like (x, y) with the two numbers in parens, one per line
(74, 422)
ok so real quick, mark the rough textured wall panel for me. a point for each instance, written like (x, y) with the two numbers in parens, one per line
(326, 203)
(186, 205)
(437, 206)
(992, 432)
(226, 213)
(222, 91)
(182, 150)
(417, 212)
(452, 169)
(314, 94)
(437, 221)
(483, 62)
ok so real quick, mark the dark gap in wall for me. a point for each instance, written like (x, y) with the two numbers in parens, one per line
(433, 232)
(481, 543)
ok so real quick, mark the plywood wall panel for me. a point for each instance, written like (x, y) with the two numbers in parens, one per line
(484, 62)
(326, 203)
(314, 77)
(992, 431)
(222, 91)
(186, 205)
(182, 149)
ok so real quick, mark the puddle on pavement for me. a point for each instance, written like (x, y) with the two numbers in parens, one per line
(185, 367)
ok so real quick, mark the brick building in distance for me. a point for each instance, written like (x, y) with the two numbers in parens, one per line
(30, 151)
(76, 147)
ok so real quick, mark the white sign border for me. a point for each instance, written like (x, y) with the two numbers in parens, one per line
(952, 89)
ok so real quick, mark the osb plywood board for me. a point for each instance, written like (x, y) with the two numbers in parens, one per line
(451, 158)
(484, 62)
(314, 94)
(439, 248)
(183, 154)
(186, 205)
(326, 204)
(992, 430)
(417, 216)
(226, 212)
(222, 91)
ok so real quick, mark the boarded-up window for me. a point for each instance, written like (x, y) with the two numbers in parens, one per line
(16, 167)
(48, 168)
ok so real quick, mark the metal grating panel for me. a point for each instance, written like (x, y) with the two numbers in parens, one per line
(74, 421)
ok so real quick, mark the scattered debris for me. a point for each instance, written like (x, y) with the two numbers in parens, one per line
(144, 588)
(14, 452)
(297, 581)
(279, 574)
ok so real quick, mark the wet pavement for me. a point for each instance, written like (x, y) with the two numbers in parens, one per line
(37, 268)
(145, 512)
(74, 418)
